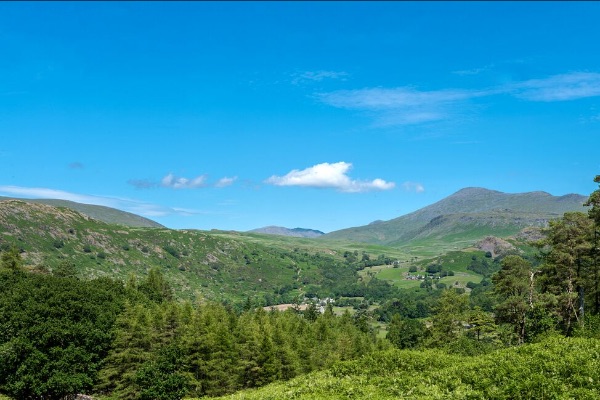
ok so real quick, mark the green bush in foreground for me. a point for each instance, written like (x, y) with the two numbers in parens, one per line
(557, 368)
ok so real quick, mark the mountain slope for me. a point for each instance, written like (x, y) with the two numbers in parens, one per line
(196, 263)
(296, 232)
(101, 213)
(470, 213)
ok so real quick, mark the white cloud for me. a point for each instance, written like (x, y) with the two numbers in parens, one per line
(409, 106)
(328, 175)
(403, 105)
(174, 182)
(129, 205)
(564, 87)
(413, 187)
(225, 181)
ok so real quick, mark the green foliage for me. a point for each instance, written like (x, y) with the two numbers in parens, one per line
(65, 269)
(405, 333)
(159, 379)
(447, 323)
(514, 286)
(54, 332)
(156, 287)
(567, 271)
(483, 266)
(10, 259)
(556, 368)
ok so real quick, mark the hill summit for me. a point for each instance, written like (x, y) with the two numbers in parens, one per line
(100, 213)
(296, 232)
(470, 214)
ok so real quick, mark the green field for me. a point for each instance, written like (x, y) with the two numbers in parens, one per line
(456, 261)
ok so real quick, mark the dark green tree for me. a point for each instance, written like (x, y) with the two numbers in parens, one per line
(513, 285)
(405, 333)
(156, 287)
(54, 333)
(565, 272)
(160, 379)
(447, 322)
(594, 214)
(11, 259)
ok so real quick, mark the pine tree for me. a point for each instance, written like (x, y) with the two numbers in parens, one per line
(131, 348)
(565, 271)
(512, 285)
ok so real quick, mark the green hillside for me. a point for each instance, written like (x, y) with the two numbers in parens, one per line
(101, 213)
(216, 265)
(462, 218)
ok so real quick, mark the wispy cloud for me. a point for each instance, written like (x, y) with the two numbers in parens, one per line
(474, 71)
(409, 106)
(174, 182)
(326, 175)
(171, 181)
(403, 105)
(413, 187)
(225, 181)
(134, 206)
(317, 76)
(573, 86)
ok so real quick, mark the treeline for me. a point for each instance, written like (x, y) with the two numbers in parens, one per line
(60, 336)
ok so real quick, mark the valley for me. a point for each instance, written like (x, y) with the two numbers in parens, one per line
(421, 281)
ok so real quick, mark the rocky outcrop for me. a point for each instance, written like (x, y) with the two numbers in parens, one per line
(495, 245)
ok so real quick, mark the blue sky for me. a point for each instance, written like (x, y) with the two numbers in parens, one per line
(322, 115)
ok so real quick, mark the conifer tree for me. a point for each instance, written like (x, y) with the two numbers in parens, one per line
(132, 347)
(594, 213)
(565, 272)
(512, 286)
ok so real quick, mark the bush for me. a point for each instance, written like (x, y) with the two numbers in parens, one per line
(433, 269)
(171, 250)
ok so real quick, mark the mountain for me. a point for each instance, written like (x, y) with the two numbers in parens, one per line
(101, 213)
(467, 215)
(296, 232)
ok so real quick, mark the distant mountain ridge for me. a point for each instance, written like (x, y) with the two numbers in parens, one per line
(101, 213)
(296, 232)
(473, 212)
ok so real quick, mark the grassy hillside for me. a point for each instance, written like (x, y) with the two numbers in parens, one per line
(101, 213)
(462, 218)
(557, 368)
(216, 265)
